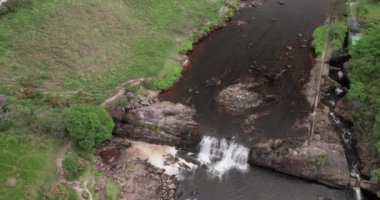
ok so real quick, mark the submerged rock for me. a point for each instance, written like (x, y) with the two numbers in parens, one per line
(320, 161)
(162, 123)
(239, 98)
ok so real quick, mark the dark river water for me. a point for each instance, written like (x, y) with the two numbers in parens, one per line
(275, 38)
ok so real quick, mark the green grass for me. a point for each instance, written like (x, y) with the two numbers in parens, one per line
(333, 33)
(369, 10)
(83, 49)
(113, 191)
(29, 160)
(54, 53)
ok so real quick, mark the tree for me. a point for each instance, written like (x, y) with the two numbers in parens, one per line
(88, 125)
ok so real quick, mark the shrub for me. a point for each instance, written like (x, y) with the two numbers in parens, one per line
(88, 125)
(73, 166)
(49, 120)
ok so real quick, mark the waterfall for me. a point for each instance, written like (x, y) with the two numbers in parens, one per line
(221, 155)
(347, 140)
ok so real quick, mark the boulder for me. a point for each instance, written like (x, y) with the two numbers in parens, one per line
(238, 98)
(163, 123)
(320, 161)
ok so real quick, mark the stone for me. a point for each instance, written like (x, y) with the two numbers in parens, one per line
(238, 98)
(163, 123)
(320, 161)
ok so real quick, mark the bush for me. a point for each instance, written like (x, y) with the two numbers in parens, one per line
(73, 166)
(88, 125)
(365, 92)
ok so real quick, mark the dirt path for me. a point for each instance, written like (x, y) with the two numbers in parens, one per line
(120, 89)
(58, 162)
(78, 186)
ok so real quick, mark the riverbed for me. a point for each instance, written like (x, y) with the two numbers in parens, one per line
(260, 41)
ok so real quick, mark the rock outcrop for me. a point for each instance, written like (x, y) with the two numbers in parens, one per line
(320, 161)
(239, 98)
(137, 180)
(161, 123)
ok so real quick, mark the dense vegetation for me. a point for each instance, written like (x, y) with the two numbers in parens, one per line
(365, 87)
(88, 125)
(365, 80)
(57, 53)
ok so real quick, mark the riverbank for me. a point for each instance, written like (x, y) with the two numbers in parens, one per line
(56, 53)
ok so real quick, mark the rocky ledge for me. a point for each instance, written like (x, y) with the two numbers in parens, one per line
(320, 161)
(163, 123)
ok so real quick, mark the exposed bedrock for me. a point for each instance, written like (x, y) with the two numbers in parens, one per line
(160, 123)
(239, 98)
(320, 161)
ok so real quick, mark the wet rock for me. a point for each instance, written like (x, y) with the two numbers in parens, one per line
(342, 109)
(250, 122)
(240, 23)
(338, 57)
(319, 161)
(369, 186)
(238, 98)
(162, 123)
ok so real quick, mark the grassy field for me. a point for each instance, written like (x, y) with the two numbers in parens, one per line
(83, 49)
(57, 52)
(27, 165)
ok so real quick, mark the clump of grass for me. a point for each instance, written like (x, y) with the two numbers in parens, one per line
(113, 191)
(73, 166)
(166, 79)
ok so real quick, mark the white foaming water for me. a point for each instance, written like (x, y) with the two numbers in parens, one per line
(221, 155)
(160, 156)
(358, 193)
(347, 139)
(2, 1)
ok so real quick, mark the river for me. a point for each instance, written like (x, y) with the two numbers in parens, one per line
(259, 41)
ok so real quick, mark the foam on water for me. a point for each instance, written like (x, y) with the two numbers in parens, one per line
(160, 156)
